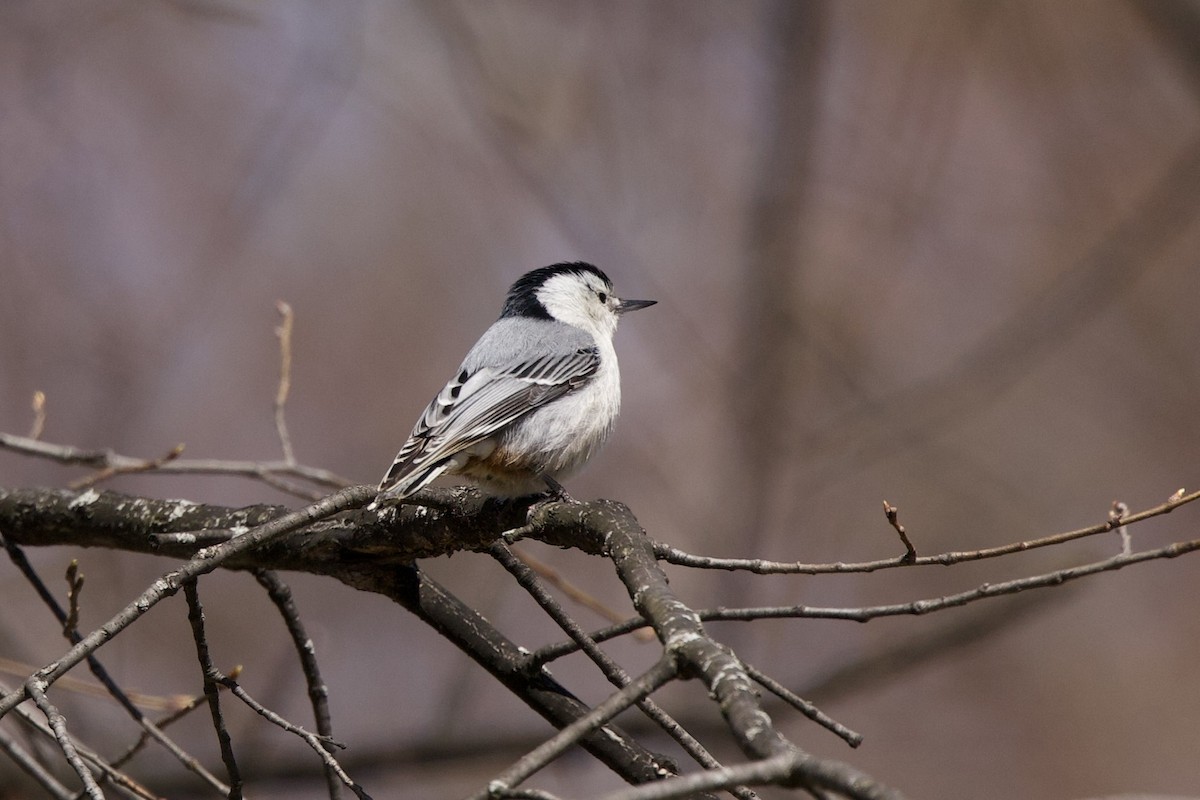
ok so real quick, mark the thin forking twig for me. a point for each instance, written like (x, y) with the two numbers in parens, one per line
(213, 678)
(673, 555)
(205, 561)
(318, 693)
(984, 591)
(612, 671)
(211, 681)
(110, 464)
(126, 784)
(893, 517)
(852, 738)
(68, 620)
(58, 723)
(663, 671)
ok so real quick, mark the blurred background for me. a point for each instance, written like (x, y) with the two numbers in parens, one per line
(942, 253)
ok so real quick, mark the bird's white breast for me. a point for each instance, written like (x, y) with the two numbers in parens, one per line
(561, 436)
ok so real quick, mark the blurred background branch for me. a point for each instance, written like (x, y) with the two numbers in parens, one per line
(938, 252)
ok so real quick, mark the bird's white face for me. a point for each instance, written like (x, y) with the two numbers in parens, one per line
(582, 300)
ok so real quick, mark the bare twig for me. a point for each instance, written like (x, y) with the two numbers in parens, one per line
(612, 671)
(890, 662)
(74, 587)
(68, 620)
(273, 473)
(929, 605)
(806, 708)
(612, 528)
(555, 579)
(181, 711)
(149, 465)
(1115, 515)
(58, 723)
(893, 517)
(109, 464)
(122, 782)
(914, 608)
(763, 567)
(319, 744)
(33, 768)
(39, 415)
(318, 693)
(284, 332)
(781, 769)
(214, 678)
(662, 672)
(211, 680)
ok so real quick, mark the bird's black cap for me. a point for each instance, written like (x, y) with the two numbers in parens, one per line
(522, 298)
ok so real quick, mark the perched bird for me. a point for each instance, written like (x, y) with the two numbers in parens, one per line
(534, 399)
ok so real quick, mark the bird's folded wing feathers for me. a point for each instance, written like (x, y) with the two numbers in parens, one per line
(476, 405)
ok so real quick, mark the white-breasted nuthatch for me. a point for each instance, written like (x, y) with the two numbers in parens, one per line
(534, 399)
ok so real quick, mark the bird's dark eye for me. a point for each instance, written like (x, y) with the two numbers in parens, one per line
(603, 296)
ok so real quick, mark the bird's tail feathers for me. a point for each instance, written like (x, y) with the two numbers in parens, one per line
(405, 484)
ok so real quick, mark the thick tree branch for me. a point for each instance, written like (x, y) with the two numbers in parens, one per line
(612, 527)
(640, 688)
(205, 561)
(370, 552)
(362, 548)
(615, 674)
(374, 551)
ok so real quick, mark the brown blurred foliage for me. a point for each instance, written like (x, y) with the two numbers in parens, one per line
(939, 252)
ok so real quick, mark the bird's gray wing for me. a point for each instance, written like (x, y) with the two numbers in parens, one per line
(478, 404)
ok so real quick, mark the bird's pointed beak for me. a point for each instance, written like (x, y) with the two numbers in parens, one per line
(626, 306)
